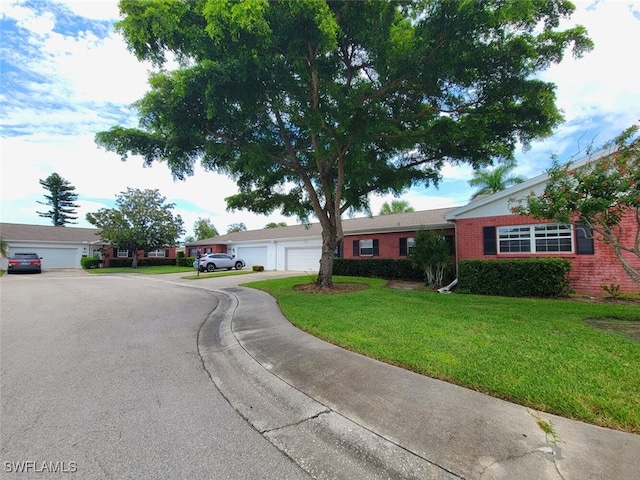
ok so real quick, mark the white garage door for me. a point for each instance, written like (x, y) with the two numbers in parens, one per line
(303, 259)
(253, 255)
(58, 257)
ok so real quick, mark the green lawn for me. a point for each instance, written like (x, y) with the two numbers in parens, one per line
(155, 270)
(164, 269)
(545, 354)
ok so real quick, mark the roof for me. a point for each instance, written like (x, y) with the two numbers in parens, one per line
(397, 222)
(521, 189)
(48, 233)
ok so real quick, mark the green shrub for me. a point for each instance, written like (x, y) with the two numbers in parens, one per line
(183, 261)
(142, 262)
(431, 255)
(389, 268)
(257, 268)
(89, 262)
(531, 277)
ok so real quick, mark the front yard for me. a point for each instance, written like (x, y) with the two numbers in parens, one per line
(573, 358)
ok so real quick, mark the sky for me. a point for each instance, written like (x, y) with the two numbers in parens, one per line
(66, 74)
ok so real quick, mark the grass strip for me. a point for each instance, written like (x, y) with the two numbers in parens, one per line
(544, 354)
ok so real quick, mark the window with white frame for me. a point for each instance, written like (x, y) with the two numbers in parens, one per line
(157, 253)
(366, 248)
(542, 238)
(123, 253)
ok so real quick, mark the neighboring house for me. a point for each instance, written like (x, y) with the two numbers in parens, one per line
(486, 229)
(63, 247)
(59, 247)
(299, 247)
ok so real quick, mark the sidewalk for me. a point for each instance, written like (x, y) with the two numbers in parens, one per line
(338, 414)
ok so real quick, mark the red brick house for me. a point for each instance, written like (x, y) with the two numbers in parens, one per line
(487, 230)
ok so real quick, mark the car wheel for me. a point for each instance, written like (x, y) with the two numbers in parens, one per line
(238, 265)
(211, 267)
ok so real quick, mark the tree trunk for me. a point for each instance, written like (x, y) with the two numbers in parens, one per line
(330, 241)
(134, 263)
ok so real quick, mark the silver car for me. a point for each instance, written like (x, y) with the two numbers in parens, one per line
(213, 261)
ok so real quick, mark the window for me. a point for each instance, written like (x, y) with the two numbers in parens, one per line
(157, 253)
(366, 248)
(123, 253)
(541, 238)
(407, 246)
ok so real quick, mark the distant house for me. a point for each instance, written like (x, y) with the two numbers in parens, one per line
(299, 247)
(59, 247)
(63, 247)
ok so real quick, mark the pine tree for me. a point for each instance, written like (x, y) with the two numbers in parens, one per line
(61, 200)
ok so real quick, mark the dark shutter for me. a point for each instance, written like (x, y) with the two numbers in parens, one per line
(356, 248)
(376, 247)
(166, 253)
(403, 247)
(489, 240)
(115, 253)
(584, 240)
(146, 254)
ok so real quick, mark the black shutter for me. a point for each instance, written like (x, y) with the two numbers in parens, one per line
(403, 247)
(584, 240)
(376, 247)
(489, 240)
(115, 253)
(146, 254)
(356, 248)
(166, 253)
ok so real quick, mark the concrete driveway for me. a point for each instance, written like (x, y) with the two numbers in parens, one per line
(101, 376)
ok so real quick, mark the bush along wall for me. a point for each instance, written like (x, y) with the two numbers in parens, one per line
(531, 277)
(89, 262)
(142, 262)
(392, 269)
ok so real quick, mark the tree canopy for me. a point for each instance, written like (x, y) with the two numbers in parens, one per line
(61, 199)
(275, 225)
(203, 228)
(237, 227)
(494, 180)
(312, 105)
(604, 195)
(141, 221)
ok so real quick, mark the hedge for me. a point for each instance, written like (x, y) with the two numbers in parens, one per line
(392, 269)
(89, 262)
(531, 277)
(142, 262)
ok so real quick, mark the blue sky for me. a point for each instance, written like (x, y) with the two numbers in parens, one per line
(67, 75)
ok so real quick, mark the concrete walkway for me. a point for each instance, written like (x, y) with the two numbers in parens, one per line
(340, 415)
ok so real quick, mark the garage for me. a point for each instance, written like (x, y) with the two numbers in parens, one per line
(53, 257)
(306, 259)
(253, 255)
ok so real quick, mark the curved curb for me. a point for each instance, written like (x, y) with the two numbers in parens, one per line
(322, 442)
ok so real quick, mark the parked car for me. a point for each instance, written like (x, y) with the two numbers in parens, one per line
(213, 261)
(24, 262)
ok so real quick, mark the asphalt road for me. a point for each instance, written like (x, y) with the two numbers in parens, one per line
(101, 377)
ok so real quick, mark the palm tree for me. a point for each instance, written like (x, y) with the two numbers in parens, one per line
(397, 206)
(495, 180)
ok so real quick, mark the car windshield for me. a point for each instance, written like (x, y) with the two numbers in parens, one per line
(25, 256)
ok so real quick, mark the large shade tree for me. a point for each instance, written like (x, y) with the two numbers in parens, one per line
(141, 221)
(312, 105)
(61, 200)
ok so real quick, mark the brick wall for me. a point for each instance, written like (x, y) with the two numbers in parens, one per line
(589, 272)
(389, 243)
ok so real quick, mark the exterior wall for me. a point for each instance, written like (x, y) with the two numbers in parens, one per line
(589, 273)
(213, 248)
(389, 243)
(80, 249)
(109, 255)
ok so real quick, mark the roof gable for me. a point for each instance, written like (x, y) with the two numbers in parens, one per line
(499, 203)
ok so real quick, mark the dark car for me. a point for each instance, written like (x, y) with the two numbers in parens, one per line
(25, 262)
